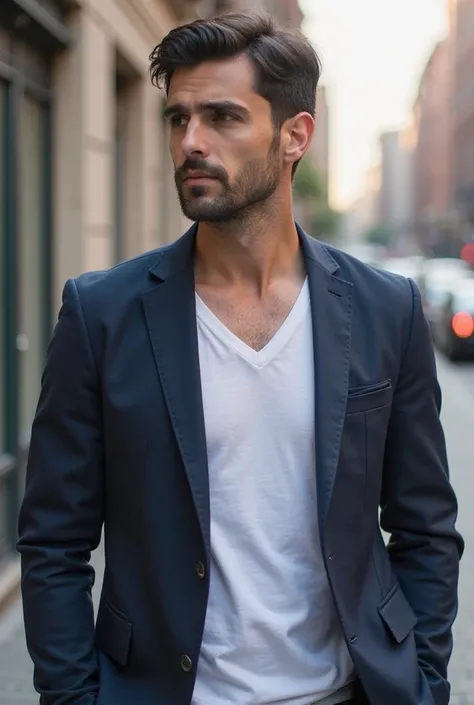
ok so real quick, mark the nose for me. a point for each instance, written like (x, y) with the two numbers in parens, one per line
(194, 141)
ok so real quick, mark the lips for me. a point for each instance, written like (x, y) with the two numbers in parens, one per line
(198, 177)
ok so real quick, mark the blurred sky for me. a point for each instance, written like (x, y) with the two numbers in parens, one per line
(373, 53)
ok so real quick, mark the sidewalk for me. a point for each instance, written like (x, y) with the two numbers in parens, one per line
(16, 669)
(15, 664)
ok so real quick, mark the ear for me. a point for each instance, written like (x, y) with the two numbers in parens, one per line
(296, 138)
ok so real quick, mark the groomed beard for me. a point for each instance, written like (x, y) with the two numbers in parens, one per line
(254, 185)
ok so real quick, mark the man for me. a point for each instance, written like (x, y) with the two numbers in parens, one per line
(234, 408)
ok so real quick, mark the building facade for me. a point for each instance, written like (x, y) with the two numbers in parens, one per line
(395, 204)
(363, 214)
(433, 153)
(287, 12)
(319, 150)
(463, 108)
(85, 180)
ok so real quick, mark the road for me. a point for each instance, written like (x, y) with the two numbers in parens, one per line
(457, 382)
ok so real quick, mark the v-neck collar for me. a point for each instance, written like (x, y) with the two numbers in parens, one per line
(257, 358)
(169, 306)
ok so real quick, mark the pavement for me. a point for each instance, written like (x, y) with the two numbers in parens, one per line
(457, 382)
(16, 670)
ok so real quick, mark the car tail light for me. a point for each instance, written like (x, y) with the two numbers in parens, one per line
(463, 324)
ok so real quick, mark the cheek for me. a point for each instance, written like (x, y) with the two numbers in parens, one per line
(175, 150)
(240, 151)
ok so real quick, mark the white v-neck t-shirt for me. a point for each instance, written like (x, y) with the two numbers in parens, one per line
(271, 634)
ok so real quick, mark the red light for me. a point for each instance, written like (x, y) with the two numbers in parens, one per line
(463, 325)
(467, 253)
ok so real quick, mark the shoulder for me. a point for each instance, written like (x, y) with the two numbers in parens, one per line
(123, 279)
(386, 307)
(387, 313)
(375, 287)
(128, 280)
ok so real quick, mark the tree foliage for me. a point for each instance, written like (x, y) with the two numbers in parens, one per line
(378, 235)
(309, 189)
(307, 183)
(325, 223)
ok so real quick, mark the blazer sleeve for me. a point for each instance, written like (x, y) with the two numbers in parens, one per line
(418, 504)
(62, 514)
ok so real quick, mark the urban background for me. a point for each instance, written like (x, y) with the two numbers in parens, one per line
(86, 181)
(418, 196)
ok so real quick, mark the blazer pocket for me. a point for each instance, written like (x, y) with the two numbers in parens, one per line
(113, 633)
(369, 397)
(397, 614)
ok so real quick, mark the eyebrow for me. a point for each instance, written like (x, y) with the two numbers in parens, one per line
(219, 105)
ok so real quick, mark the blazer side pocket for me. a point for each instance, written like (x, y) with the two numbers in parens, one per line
(113, 633)
(397, 614)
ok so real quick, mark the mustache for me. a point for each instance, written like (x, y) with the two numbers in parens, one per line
(191, 164)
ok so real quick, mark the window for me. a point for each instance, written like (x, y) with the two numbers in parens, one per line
(3, 291)
(32, 267)
(54, 8)
(165, 196)
(32, 64)
(120, 169)
(3, 524)
(25, 221)
(127, 156)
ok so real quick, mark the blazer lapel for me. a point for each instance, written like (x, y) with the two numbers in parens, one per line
(170, 312)
(171, 318)
(331, 306)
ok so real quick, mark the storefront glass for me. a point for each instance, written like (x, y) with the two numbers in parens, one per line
(3, 292)
(32, 271)
(25, 260)
(3, 323)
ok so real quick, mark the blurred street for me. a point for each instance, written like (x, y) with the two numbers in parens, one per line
(90, 165)
(457, 381)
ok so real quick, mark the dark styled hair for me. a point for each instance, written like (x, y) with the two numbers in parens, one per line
(287, 68)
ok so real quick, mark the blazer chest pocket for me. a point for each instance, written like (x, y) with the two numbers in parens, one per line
(369, 397)
(363, 442)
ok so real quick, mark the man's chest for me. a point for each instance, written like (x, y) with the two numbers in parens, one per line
(254, 321)
(257, 397)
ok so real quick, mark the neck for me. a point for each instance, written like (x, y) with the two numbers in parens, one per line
(253, 251)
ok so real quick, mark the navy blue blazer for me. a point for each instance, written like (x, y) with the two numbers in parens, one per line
(118, 440)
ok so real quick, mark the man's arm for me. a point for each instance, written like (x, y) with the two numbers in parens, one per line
(418, 505)
(62, 514)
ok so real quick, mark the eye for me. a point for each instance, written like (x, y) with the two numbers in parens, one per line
(178, 120)
(223, 117)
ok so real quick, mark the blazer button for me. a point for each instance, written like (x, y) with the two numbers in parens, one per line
(186, 663)
(201, 570)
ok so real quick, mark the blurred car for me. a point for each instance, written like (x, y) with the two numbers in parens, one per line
(365, 252)
(438, 277)
(453, 331)
(443, 269)
(435, 295)
(410, 266)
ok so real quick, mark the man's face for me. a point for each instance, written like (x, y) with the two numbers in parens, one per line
(223, 143)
